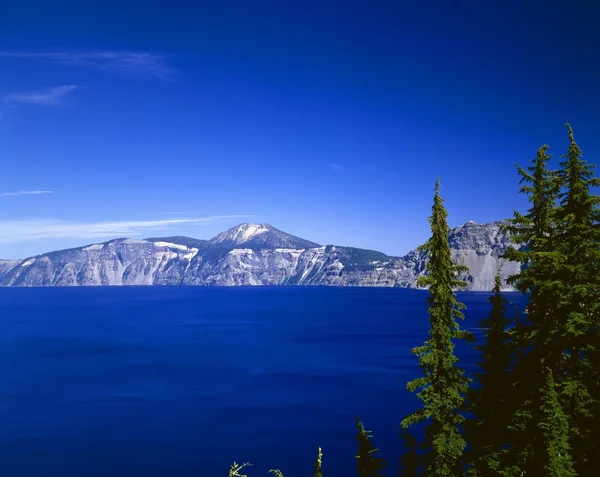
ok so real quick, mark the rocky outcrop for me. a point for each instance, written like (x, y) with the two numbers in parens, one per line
(7, 265)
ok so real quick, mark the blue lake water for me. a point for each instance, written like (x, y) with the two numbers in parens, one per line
(182, 381)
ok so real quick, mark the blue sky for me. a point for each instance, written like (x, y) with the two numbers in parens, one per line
(139, 118)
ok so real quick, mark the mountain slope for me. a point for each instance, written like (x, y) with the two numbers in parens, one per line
(7, 265)
(117, 262)
(259, 236)
(253, 254)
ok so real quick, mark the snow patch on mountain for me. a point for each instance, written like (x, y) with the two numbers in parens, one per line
(241, 251)
(189, 256)
(91, 248)
(241, 234)
(171, 245)
(132, 241)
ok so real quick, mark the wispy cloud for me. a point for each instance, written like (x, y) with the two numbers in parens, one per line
(47, 97)
(26, 192)
(126, 63)
(337, 168)
(13, 231)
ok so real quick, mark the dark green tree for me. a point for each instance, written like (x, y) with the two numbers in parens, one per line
(578, 219)
(443, 386)
(540, 258)
(537, 336)
(409, 464)
(367, 464)
(555, 430)
(490, 403)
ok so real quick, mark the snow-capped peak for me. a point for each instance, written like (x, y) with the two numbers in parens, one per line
(242, 233)
(263, 236)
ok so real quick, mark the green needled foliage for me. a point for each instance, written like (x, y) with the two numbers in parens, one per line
(540, 258)
(561, 271)
(443, 385)
(536, 229)
(491, 403)
(367, 464)
(318, 464)
(555, 429)
(578, 219)
(536, 337)
(235, 469)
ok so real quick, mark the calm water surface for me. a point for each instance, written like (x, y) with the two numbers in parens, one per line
(170, 381)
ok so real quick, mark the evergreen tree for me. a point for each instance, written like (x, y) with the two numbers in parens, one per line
(578, 218)
(409, 462)
(318, 463)
(540, 257)
(236, 468)
(555, 428)
(367, 464)
(536, 337)
(443, 385)
(487, 432)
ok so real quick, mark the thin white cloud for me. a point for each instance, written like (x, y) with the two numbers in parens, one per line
(125, 63)
(14, 231)
(26, 192)
(337, 168)
(48, 97)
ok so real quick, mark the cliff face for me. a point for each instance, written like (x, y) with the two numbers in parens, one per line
(6, 266)
(254, 255)
(479, 246)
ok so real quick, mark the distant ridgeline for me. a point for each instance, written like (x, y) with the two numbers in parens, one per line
(255, 254)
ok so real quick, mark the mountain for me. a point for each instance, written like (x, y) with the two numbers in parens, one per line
(254, 254)
(259, 236)
(117, 262)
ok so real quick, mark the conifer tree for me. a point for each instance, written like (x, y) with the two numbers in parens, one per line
(409, 466)
(318, 463)
(368, 465)
(578, 217)
(443, 385)
(555, 428)
(540, 257)
(236, 468)
(490, 403)
(537, 335)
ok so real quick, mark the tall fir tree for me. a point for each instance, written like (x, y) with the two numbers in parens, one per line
(490, 402)
(536, 337)
(367, 464)
(578, 220)
(540, 257)
(555, 431)
(443, 386)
